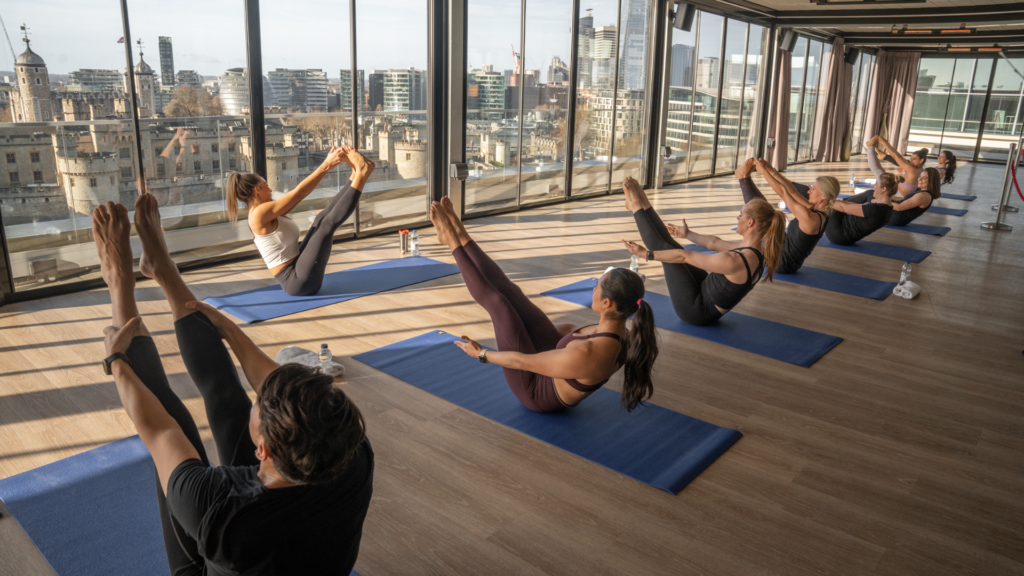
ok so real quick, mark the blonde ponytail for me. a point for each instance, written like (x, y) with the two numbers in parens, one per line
(770, 225)
(240, 187)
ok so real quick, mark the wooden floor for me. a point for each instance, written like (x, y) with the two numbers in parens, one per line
(900, 452)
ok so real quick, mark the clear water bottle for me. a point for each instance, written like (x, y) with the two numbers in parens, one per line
(414, 243)
(634, 263)
(853, 178)
(326, 366)
(905, 273)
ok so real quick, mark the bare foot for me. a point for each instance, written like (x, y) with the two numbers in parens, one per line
(110, 230)
(872, 142)
(445, 234)
(456, 222)
(745, 168)
(358, 162)
(155, 257)
(636, 198)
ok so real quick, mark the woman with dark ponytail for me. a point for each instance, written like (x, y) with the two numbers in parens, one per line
(917, 202)
(553, 367)
(947, 166)
(704, 287)
(298, 267)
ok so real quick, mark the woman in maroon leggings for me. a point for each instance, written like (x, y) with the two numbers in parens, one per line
(550, 368)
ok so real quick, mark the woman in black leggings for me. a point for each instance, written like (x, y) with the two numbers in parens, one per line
(810, 204)
(704, 287)
(917, 202)
(857, 216)
(296, 472)
(298, 267)
(550, 368)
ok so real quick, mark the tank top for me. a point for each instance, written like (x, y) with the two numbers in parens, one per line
(281, 245)
(619, 361)
(913, 212)
(726, 294)
(798, 245)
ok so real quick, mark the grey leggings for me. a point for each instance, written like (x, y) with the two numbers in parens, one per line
(305, 275)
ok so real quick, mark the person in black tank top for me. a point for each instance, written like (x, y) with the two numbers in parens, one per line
(862, 214)
(703, 287)
(809, 204)
(917, 202)
(544, 363)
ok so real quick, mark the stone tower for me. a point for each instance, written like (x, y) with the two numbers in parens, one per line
(31, 103)
(143, 87)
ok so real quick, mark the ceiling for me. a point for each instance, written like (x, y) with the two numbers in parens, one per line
(870, 24)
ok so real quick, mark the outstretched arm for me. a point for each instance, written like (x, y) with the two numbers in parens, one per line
(268, 211)
(785, 189)
(574, 362)
(255, 364)
(918, 201)
(161, 434)
(717, 262)
(850, 208)
(703, 240)
(900, 160)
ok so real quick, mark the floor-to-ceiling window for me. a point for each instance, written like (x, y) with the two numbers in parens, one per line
(708, 72)
(734, 76)
(798, 70)
(679, 76)
(1003, 119)
(863, 70)
(809, 104)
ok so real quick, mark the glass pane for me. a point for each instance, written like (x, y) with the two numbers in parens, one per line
(680, 101)
(732, 95)
(306, 109)
(627, 154)
(1003, 120)
(545, 104)
(823, 71)
(702, 134)
(493, 82)
(810, 99)
(796, 90)
(963, 115)
(395, 125)
(598, 47)
(867, 72)
(934, 78)
(855, 144)
(53, 175)
(755, 75)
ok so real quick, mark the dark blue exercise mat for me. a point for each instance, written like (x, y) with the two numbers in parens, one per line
(876, 249)
(271, 301)
(838, 282)
(922, 229)
(959, 197)
(92, 513)
(762, 337)
(651, 444)
(946, 211)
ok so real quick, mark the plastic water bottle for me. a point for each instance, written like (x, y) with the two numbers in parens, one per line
(326, 366)
(853, 179)
(905, 273)
(414, 243)
(634, 263)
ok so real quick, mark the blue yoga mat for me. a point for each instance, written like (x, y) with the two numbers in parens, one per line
(876, 249)
(922, 229)
(94, 513)
(946, 211)
(271, 301)
(651, 444)
(959, 197)
(763, 337)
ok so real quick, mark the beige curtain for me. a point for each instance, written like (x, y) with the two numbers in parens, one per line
(778, 121)
(891, 101)
(833, 113)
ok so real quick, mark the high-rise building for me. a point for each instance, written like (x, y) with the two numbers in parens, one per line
(166, 61)
(585, 52)
(144, 87)
(405, 90)
(707, 73)
(299, 90)
(376, 87)
(605, 38)
(188, 78)
(486, 91)
(346, 89)
(93, 80)
(681, 73)
(32, 102)
(558, 71)
(634, 50)
(234, 91)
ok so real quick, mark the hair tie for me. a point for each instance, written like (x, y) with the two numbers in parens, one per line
(639, 301)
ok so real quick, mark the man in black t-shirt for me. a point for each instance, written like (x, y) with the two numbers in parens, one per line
(297, 469)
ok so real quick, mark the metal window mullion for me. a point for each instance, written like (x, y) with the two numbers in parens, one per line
(522, 98)
(718, 103)
(743, 97)
(615, 94)
(570, 115)
(817, 100)
(354, 111)
(654, 62)
(800, 106)
(437, 103)
(254, 59)
(945, 112)
(984, 110)
(131, 85)
(457, 98)
(768, 88)
(662, 132)
(693, 94)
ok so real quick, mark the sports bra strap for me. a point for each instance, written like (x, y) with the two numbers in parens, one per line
(760, 260)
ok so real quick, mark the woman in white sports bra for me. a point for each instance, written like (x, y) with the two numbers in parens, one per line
(298, 267)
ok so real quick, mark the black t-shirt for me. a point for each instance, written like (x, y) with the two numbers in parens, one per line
(846, 229)
(242, 527)
(797, 245)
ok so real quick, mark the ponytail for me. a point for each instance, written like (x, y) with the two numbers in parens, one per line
(770, 224)
(829, 188)
(626, 289)
(890, 182)
(950, 167)
(240, 187)
(934, 186)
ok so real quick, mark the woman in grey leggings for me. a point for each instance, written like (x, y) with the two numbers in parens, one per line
(298, 267)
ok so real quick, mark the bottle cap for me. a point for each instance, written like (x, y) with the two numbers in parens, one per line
(322, 346)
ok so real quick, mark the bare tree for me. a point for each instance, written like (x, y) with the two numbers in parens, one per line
(190, 102)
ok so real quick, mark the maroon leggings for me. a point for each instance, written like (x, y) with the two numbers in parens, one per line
(519, 325)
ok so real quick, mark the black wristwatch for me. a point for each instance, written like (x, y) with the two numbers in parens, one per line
(108, 362)
(650, 255)
(482, 357)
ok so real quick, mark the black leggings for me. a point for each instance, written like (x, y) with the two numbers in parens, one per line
(684, 281)
(305, 275)
(519, 325)
(227, 409)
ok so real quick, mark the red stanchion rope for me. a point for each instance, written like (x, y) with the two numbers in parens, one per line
(1015, 182)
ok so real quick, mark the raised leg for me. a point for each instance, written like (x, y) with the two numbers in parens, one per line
(653, 232)
(636, 198)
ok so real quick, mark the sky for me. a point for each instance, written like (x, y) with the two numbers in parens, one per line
(209, 35)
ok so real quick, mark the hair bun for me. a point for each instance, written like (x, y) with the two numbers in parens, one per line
(900, 179)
